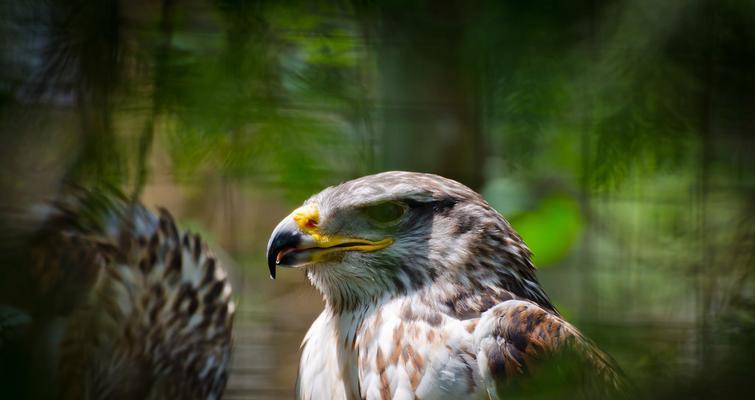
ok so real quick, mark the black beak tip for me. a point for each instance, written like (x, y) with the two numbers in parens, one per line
(271, 263)
(285, 235)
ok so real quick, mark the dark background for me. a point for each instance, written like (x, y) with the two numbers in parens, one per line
(617, 137)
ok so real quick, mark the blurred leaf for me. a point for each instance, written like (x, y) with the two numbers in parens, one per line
(551, 229)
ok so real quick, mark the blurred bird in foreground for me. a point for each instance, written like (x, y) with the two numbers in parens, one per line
(430, 294)
(123, 304)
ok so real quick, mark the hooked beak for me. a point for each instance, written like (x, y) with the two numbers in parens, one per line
(297, 241)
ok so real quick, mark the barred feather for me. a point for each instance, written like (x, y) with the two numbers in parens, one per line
(148, 308)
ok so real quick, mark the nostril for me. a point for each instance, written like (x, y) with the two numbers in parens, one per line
(306, 217)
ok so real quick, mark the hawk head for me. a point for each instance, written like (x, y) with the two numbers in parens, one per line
(394, 233)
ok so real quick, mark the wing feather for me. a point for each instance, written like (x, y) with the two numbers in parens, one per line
(148, 308)
(518, 339)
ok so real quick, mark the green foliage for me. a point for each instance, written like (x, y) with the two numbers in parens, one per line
(551, 229)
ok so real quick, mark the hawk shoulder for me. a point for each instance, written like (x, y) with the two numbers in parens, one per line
(518, 338)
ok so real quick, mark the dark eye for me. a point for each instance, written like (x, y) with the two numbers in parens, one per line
(385, 212)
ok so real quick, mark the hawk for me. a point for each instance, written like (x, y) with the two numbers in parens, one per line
(429, 294)
(146, 309)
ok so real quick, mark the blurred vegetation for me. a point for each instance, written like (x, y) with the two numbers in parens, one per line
(617, 136)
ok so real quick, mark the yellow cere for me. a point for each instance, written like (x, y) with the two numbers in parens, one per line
(307, 217)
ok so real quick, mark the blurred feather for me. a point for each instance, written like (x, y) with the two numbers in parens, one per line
(125, 305)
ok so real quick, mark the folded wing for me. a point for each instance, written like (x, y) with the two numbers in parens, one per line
(524, 349)
(148, 309)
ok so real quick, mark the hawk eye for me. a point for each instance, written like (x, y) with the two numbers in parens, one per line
(385, 212)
